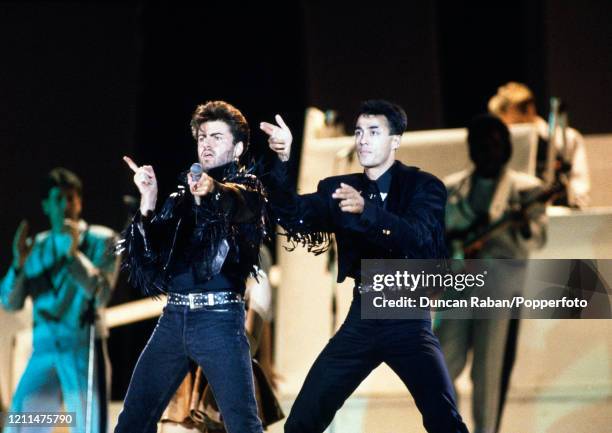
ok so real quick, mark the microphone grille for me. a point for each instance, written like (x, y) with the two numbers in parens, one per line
(196, 168)
(196, 171)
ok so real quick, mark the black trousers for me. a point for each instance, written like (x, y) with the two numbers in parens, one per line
(408, 346)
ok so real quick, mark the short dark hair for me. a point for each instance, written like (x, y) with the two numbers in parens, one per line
(62, 178)
(221, 110)
(396, 116)
(485, 126)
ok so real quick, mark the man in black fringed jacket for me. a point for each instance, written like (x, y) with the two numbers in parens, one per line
(198, 248)
(390, 211)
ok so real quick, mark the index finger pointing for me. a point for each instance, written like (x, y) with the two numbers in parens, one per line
(131, 163)
(281, 122)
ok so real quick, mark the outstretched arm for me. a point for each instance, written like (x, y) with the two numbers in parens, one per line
(303, 214)
(419, 227)
(242, 202)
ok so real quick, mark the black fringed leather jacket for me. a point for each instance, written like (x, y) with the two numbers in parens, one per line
(213, 246)
(410, 226)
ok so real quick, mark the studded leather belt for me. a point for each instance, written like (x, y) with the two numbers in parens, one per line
(207, 299)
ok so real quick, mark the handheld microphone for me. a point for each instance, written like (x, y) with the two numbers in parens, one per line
(196, 171)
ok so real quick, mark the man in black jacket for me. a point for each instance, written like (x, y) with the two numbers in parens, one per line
(389, 211)
(198, 248)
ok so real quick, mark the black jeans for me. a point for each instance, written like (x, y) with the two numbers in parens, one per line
(408, 346)
(215, 338)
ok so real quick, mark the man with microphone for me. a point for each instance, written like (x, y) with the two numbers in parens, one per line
(198, 248)
(67, 271)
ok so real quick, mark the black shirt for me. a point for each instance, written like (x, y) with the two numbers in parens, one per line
(183, 278)
(377, 190)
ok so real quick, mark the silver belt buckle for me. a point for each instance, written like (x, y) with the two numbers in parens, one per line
(191, 297)
(211, 299)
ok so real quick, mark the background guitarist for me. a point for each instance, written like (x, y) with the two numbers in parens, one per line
(489, 193)
(515, 103)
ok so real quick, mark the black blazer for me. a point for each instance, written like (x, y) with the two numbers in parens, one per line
(410, 226)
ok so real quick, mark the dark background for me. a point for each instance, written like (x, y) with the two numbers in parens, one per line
(83, 84)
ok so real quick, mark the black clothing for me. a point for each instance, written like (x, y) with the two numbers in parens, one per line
(408, 347)
(188, 248)
(410, 225)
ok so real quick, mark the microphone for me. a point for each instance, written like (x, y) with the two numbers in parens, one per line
(196, 171)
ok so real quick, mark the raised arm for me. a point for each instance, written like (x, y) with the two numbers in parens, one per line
(146, 182)
(306, 217)
(13, 288)
(142, 238)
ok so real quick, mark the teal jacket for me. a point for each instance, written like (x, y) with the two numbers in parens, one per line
(61, 286)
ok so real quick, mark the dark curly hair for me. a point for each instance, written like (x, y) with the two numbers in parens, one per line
(221, 110)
